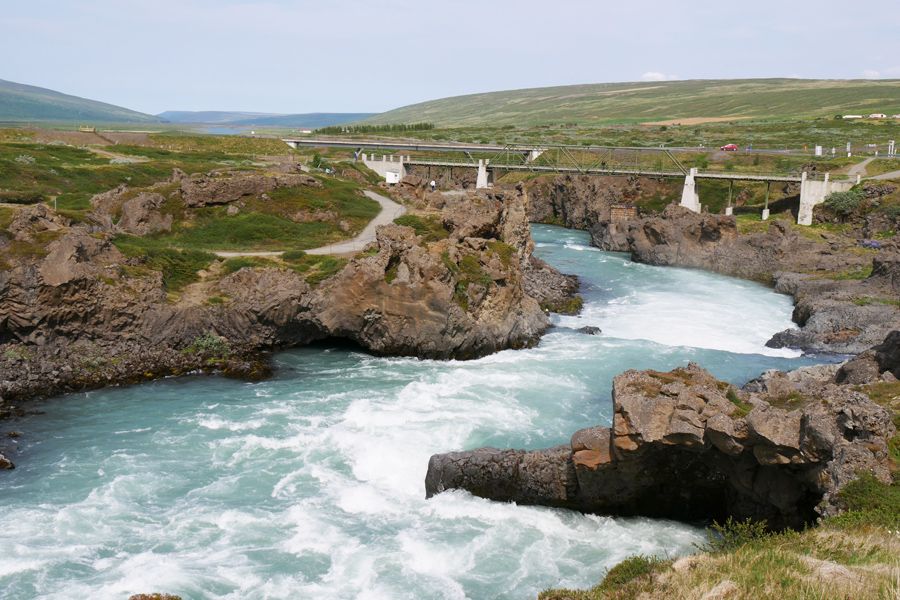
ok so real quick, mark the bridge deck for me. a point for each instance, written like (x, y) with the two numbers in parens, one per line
(506, 157)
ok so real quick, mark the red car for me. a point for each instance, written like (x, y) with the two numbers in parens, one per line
(729, 147)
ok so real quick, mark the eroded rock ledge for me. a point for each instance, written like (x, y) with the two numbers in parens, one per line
(683, 445)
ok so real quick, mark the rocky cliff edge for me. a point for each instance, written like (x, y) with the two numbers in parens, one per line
(683, 445)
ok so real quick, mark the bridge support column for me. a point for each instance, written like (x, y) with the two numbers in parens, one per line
(392, 171)
(689, 196)
(729, 210)
(815, 192)
(481, 182)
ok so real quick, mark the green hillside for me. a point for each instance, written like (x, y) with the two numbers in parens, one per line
(655, 101)
(26, 103)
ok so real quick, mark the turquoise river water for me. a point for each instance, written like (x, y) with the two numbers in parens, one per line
(311, 484)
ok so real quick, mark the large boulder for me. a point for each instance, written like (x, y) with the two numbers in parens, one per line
(216, 189)
(141, 215)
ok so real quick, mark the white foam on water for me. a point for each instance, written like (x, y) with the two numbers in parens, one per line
(311, 484)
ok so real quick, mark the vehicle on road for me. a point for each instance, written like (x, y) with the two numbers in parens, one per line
(729, 147)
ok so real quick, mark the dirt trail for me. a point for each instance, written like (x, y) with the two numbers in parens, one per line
(390, 210)
(114, 155)
(859, 169)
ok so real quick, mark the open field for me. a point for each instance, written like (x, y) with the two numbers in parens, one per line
(597, 104)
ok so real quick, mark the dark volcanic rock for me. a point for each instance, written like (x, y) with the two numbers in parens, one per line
(886, 269)
(679, 448)
(589, 330)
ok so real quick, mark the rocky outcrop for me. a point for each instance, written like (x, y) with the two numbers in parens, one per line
(886, 270)
(140, 215)
(217, 188)
(584, 201)
(835, 315)
(683, 445)
(459, 297)
(881, 361)
(456, 298)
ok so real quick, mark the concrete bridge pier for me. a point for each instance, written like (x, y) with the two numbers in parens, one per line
(485, 178)
(392, 170)
(689, 196)
(813, 193)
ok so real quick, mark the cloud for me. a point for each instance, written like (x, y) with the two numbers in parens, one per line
(654, 76)
(871, 74)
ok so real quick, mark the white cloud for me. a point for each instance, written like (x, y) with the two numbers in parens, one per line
(654, 76)
(871, 74)
(892, 71)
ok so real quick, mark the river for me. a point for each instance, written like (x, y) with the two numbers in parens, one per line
(311, 484)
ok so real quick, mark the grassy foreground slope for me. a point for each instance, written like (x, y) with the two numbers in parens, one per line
(27, 103)
(656, 101)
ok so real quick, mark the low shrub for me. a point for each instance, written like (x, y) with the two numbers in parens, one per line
(731, 535)
(843, 203)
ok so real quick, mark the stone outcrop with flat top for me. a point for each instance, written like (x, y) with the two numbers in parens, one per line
(683, 445)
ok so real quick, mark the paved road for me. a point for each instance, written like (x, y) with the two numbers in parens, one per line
(891, 175)
(390, 210)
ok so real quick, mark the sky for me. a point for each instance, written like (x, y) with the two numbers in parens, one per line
(299, 56)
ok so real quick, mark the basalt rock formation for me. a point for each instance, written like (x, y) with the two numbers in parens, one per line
(835, 315)
(219, 188)
(584, 201)
(75, 312)
(683, 445)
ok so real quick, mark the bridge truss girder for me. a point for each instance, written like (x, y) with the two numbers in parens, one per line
(587, 159)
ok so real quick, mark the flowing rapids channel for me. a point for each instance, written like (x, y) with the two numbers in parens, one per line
(311, 484)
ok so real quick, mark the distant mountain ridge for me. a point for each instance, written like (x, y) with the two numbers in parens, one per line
(657, 101)
(308, 120)
(28, 103)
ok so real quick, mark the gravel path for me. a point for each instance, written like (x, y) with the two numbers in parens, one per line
(390, 210)
(859, 169)
(891, 175)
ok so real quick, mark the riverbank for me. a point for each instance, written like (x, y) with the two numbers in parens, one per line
(81, 313)
(310, 482)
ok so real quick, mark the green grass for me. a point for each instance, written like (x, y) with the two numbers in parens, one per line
(264, 225)
(316, 267)
(212, 230)
(653, 101)
(179, 268)
(867, 300)
(428, 226)
(75, 175)
(870, 502)
(853, 273)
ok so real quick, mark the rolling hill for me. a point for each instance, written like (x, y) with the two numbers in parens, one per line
(27, 103)
(655, 102)
(310, 120)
